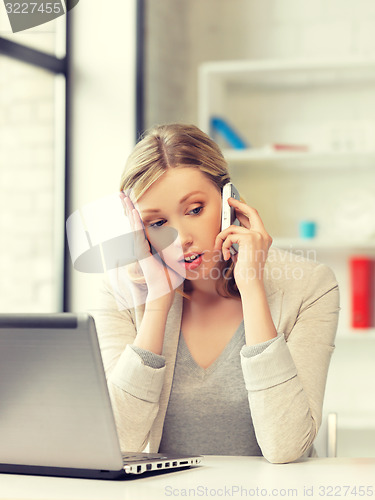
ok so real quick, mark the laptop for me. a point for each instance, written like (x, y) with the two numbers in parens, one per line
(55, 412)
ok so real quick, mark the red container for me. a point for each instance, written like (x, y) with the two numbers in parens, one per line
(361, 291)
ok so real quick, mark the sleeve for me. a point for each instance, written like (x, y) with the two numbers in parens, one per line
(149, 358)
(134, 378)
(252, 350)
(286, 380)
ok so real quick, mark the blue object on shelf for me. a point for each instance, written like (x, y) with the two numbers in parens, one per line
(230, 135)
(307, 229)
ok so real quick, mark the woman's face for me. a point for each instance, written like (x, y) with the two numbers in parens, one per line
(187, 201)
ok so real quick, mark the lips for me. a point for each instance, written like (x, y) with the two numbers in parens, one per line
(194, 264)
(191, 254)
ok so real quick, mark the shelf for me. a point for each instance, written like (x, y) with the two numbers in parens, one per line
(357, 334)
(317, 159)
(356, 421)
(292, 73)
(323, 244)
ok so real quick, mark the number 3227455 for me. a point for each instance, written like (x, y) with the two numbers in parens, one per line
(33, 7)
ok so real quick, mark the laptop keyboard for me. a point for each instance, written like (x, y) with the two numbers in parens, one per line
(139, 457)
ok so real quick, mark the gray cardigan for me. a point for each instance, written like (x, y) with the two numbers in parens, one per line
(285, 382)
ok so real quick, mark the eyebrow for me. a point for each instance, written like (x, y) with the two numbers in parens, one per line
(156, 210)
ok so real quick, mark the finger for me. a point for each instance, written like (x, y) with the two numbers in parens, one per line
(129, 203)
(124, 195)
(244, 220)
(232, 238)
(133, 213)
(234, 257)
(224, 234)
(122, 198)
(166, 271)
(251, 213)
(140, 228)
(141, 242)
(127, 210)
(138, 224)
(129, 213)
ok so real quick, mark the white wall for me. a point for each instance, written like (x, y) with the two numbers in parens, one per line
(103, 112)
(240, 29)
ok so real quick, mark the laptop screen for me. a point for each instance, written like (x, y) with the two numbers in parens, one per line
(54, 404)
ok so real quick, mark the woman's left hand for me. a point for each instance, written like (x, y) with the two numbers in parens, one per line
(253, 245)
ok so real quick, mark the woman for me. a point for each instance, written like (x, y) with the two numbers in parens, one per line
(228, 354)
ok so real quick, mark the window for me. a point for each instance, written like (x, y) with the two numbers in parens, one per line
(32, 168)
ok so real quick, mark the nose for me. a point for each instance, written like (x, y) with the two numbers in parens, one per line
(184, 238)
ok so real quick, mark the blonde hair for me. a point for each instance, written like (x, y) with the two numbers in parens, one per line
(177, 145)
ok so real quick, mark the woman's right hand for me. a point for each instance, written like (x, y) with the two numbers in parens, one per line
(161, 280)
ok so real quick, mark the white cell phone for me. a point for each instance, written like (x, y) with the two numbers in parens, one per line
(228, 213)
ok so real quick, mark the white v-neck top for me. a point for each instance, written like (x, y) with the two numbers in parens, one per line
(208, 411)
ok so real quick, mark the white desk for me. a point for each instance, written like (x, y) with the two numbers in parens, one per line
(219, 477)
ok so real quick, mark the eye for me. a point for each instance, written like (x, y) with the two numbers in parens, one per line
(199, 209)
(158, 223)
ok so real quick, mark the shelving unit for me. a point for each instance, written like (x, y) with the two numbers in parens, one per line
(327, 106)
(215, 78)
(334, 252)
